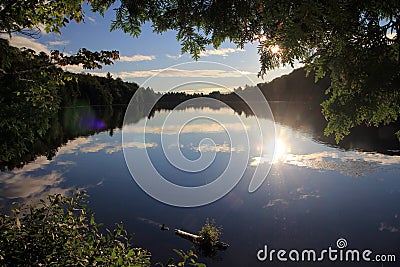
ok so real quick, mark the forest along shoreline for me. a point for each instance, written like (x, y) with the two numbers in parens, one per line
(104, 101)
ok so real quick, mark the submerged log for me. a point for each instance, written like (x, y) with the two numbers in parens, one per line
(196, 239)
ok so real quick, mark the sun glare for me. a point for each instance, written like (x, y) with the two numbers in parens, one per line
(260, 37)
(281, 149)
(274, 153)
(274, 49)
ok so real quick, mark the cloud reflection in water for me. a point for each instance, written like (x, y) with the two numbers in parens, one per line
(349, 163)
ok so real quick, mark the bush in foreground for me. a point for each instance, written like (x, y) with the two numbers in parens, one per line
(61, 231)
(210, 233)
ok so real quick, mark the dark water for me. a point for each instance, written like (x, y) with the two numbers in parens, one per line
(314, 194)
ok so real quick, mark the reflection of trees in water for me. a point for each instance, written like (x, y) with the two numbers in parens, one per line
(307, 118)
(209, 252)
(34, 131)
(22, 144)
(32, 90)
(67, 124)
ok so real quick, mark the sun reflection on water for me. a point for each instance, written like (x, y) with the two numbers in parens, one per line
(275, 153)
(282, 148)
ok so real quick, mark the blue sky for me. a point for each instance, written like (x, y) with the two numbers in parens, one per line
(145, 56)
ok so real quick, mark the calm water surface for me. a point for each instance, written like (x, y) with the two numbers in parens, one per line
(313, 195)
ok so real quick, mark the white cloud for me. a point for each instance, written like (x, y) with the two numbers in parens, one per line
(377, 158)
(96, 147)
(100, 74)
(21, 41)
(91, 19)
(78, 69)
(73, 146)
(90, 145)
(220, 52)
(42, 29)
(172, 72)
(352, 163)
(136, 58)
(386, 227)
(275, 202)
(174, 57)
(189, 128)
(23, 185)
(167, 73)
(348, 167)
(225, 148)
(65, 163)
(58, 43)
(138, 145)
(349, 163)
(211, 52)
(298, 194)
(39, 163)
(31, 188)
(301, 194)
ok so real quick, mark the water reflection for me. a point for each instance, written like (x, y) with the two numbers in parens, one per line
(30, 184)
(75, 122)
(389, 228)
(309, 199)
(300, 193)
(350, 163)
(281, 149)
(75, 131)
(27, 186)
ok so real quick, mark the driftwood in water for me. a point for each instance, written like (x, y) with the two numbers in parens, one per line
(196, 239)
(164, 228)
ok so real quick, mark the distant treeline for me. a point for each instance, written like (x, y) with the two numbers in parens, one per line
(293, 87)
(33, 134)
(95, 90)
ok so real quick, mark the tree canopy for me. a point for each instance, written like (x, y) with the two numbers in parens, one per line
(355, 42)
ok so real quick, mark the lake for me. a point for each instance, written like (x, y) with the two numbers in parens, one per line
(315, 193)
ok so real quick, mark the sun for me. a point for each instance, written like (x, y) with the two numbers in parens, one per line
(281, 149)
(263, 38)
(274, 49)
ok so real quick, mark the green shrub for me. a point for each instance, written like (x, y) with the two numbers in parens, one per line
(61, 231)
(209, 233)
(187, 259)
